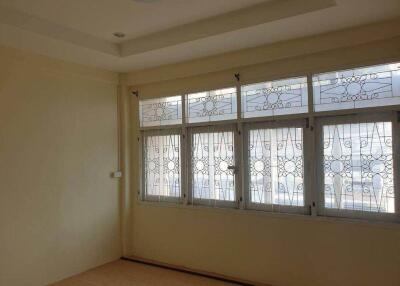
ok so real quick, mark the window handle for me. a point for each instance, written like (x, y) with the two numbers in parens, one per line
(232, 167)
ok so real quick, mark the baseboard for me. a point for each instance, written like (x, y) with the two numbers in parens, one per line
(206, 274)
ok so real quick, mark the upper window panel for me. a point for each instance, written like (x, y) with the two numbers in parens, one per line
(288, 96)
(212, 105)
(161, 111)
(357, 88)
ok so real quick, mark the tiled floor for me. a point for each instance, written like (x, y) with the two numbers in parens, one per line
(126, 273)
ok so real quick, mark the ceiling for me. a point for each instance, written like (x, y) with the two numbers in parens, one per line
(160, 32)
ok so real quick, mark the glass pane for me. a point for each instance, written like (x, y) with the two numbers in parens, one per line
(161, 111)
(276, 166)
(212, 105)
(358, 167)
(162, 165)
(357, 88)
(212, 162)
(272, 98)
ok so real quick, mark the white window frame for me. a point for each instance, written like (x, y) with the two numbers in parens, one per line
(209, 129)
(299, 123)
(312, 138)
(348, 119)
(147, 131)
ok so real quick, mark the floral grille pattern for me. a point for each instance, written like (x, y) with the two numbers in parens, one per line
(211, 105)
(276, 166)
(357, 88)
(358, 166)
(161, 111)
(162, 165)
(272, 98)
(212, 161)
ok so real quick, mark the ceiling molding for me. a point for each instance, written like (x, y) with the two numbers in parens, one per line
(267, 53)
(226, 40)
(37, 25)
(232, 21)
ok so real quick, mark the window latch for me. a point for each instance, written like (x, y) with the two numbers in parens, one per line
(232, 168)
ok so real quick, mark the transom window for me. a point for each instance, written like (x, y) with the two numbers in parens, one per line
(236, 147)
(357, 88)
(212, 105)
(279, 97)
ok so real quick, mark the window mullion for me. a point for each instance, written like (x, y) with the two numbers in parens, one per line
(396, 160)
(311, 156)
(239, 148)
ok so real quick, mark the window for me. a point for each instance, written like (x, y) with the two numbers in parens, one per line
(358, 167)
(162, 166)
(280, 146)
(275, 166)
(160, 111)
(211, 105)
(357, 88)
(213, 165)
(275, 98)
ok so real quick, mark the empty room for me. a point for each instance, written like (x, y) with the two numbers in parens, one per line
(199, 142)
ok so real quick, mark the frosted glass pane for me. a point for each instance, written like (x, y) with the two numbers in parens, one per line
(276, 166)
(161, 111)
(212, 161)
(272, 98)
(212, 105)
(162, 165)
(358, 167)
(357, 88)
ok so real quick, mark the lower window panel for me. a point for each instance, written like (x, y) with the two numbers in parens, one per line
(358, 167)
(275, 160)
(162, 166)
(213, 160)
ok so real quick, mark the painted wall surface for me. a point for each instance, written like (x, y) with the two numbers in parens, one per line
(59, 208)
(281, 250)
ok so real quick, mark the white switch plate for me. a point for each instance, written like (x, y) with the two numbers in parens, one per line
(117, 174)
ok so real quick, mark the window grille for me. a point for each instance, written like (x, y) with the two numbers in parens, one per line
(160, 111)
(212, 105)
(358, 167)
(162, 166)
(213, 165)
(197, 149)
(357, 88)
(273, 98)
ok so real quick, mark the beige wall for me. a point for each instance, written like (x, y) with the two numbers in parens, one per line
(59, 208)
(280, 250)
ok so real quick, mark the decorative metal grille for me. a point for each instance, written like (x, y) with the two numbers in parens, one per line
(358, 167)
(161, 111)
(212, 162)
(162, 165)
(212, 105)
(276, 166)
(357, 88)
(272, 98)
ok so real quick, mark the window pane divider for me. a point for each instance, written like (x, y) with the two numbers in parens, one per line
(239, 147)
(310, 160)
(396, 160)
